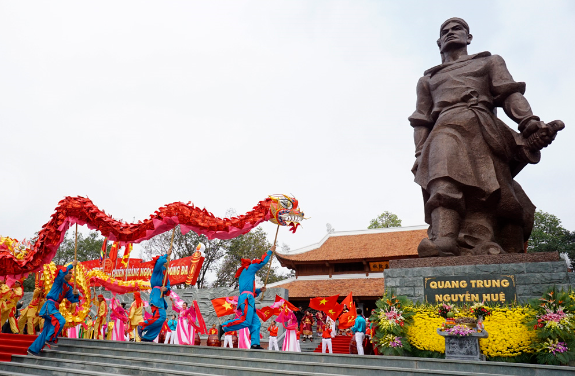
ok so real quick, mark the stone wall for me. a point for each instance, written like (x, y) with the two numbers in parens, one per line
(532, 278)
(202, 296)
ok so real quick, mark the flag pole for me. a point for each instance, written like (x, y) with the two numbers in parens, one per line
(168, 261)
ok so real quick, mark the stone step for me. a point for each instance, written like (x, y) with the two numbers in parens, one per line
(58, 367)
(17, 369)
(142, 367)
(199, 363)
(221, 355)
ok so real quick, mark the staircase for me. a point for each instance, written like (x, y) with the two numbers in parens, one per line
(11, 344)
(82, 357)
(339, 345)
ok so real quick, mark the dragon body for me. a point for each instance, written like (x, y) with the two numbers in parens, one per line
(279, 209)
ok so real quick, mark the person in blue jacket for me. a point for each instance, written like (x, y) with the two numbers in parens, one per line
(246, 301)
(149, 329)
(359, 330)
(53, 320)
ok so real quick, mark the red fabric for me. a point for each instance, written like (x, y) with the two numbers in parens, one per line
(221, 308)
(155, 316)
(266, 312)
(138, 299)
(113, 256)
(335, 311)
(323, 304)
(287, 304)
(82, 211)
(203, 329)
(326, 333)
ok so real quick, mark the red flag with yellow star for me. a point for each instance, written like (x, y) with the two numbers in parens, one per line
(223, 306)
(323, 304)
(334, 312)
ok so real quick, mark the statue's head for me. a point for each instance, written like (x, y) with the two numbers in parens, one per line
(453, 34)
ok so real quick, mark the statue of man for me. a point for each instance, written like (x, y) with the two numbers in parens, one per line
(466, 158)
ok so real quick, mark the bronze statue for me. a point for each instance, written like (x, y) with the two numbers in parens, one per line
(466, 158)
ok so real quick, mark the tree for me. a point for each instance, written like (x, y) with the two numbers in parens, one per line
(184, 246)
(548, 235)
(251, 245)
(384, 220)
(89, 248)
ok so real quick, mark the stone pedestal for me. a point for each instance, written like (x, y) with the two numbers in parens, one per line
(463, 347)
(532, 274)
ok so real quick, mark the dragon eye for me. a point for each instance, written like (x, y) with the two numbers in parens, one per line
(286, 203)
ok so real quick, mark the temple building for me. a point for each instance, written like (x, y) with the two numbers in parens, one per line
(348, 261)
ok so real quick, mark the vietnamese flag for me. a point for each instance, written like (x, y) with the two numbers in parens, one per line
(323, 304)
(223, 307)
(266, 312)
(335, 311)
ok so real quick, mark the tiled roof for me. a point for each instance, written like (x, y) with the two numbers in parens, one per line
(374, 244)
(372, 287)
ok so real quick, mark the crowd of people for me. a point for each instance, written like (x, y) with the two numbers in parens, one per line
(115, 320)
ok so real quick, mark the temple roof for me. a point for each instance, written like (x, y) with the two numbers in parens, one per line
(378, 244)
(361, 287)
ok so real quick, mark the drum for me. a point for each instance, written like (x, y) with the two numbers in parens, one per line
(235, 342)
(214, 341)
(352, 346)
(197, 340)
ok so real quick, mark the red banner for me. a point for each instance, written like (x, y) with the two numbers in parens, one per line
(138, 270)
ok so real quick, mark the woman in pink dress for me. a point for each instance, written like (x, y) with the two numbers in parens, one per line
(120, 317)
(291, 342)
(186, 329)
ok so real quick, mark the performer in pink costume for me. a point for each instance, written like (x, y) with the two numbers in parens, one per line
(120, 317)
(186, 329)
(244, 339)
(291, 342)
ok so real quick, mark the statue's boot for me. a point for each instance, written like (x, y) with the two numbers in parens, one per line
(445, 225)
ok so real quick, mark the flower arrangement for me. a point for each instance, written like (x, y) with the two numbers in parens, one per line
(480, 310)
(554, 325)
(446, 310)
(391, 317)
(459, 330)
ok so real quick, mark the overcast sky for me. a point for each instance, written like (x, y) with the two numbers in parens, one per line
(137, 104)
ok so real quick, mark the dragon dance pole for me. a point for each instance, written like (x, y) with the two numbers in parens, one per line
(168, 268)
(75, 256)
(271, 259)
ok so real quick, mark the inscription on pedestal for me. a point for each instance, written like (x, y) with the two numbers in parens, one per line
(470, 289)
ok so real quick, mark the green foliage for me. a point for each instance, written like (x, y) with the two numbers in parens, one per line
(548, 235)
(392, 318)
(89, 248)
(384, 220)
(250, 246)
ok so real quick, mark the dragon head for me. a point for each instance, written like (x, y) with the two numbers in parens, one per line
(285, 211)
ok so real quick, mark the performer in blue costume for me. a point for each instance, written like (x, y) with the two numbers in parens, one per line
(246, 301)
(54, 321)
(149, 329)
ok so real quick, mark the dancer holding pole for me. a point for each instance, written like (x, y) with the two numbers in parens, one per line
(149, 329)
